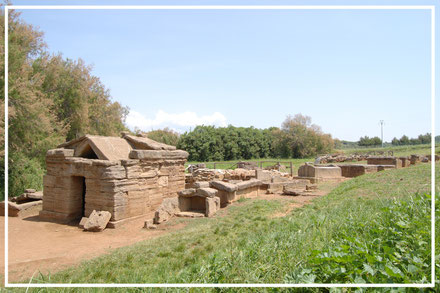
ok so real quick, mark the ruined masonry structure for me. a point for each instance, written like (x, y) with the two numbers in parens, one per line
(128, 176)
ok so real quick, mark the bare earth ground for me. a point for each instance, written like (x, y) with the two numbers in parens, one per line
(36, 246)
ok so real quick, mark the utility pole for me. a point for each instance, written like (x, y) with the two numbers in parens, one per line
(381, 131)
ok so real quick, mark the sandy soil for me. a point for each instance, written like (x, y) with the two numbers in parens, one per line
(36, 246)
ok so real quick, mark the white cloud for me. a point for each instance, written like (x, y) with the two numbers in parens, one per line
(179, 120)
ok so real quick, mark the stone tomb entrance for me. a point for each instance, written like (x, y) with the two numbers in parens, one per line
(128, 177)
(79, 192)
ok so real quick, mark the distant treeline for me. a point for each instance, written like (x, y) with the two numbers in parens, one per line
(405, 140)
(376, 141)
(297, 138)
(51, 99)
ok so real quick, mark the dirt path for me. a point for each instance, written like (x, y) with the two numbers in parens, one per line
(36, 246)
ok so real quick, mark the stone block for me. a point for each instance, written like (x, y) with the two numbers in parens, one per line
(212, 206)
(220, 185)
(148, 224)
(201, 184)
(82, 222)
(97, 221)
(264, 176)
(166, 210)
(206, 192)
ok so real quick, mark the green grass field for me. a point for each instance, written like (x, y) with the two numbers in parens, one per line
(424, 149)
(373, 228)
(421, 149)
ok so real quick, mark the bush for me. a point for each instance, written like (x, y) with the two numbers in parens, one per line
(165, 135)
(24, 173)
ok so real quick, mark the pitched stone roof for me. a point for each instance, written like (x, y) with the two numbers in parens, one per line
(105, 147)
(110, 147)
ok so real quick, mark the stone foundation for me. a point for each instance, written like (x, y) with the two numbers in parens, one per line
(384, 161)
(356, 170)
(322, 172)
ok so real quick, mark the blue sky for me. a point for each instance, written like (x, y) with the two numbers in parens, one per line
(346, 69)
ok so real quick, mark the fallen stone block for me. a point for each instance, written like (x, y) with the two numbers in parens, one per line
(82, 222)
(311, 187)
(190, 215)
(166, 210)
(97, 221)
(148, 224)
(291, 191)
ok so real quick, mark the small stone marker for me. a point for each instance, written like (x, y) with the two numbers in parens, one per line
(97, 221)
(212, 205)
(149, 224)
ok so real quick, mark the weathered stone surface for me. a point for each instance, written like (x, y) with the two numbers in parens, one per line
(103, 147)
(125, 187)
(82, 222)
(148, 224)
(97, 221)
(355, 170)
(206, 192)
(60, 153)
(278, 179)
(248, 184)
(190, 214)
(264, 175)
(187, 192)
(38, 195)
(311, 187)
(220, 185)
(16, 209)
(201, 184)
(385, 167)
(168, 208)
(156, 155)
(291, 191)
(308, 170)
(384, 161)
(212, 206)
(145, 143)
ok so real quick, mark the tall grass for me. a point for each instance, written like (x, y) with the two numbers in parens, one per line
(384, 216)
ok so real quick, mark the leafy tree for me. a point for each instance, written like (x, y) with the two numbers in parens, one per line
(404, 140)
(51, 100)
(367, 141)
(395, 141)
(165, 135)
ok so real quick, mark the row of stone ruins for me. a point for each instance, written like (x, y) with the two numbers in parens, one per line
(108, 181)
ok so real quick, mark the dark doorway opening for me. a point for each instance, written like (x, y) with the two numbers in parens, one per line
(79, 193)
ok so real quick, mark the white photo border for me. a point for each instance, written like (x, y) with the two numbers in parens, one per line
(229, 7)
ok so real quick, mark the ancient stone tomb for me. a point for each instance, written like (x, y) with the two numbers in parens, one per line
(128, 176)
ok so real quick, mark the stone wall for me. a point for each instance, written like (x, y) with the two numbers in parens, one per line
(328, 172)
(125, 188)
(355, 170)
(385, 161)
